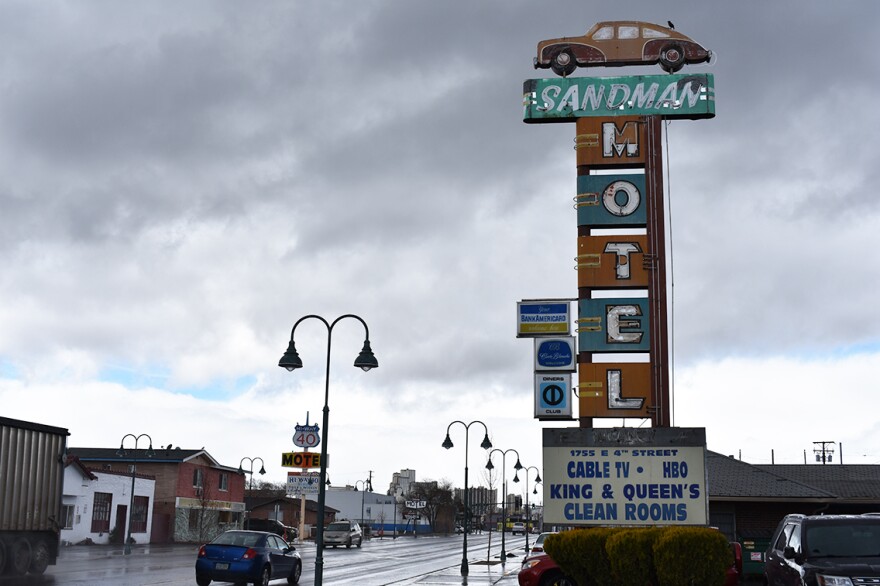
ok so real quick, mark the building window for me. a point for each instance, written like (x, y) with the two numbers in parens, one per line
(101, 512)
(194, 519)
(224, 481)
(67, 512)
(198, 478)
(139, 514)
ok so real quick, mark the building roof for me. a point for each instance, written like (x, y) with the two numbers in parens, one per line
(160, 455)
(257, 502)
(732, 479)
(851, 482)
(70, 460)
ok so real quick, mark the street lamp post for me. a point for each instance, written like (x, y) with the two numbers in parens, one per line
(486, 444)
(393, 491)
(516, 467)
(291, 361)
(365, 486)
(250, 471)
(122, 453)
(529, 516)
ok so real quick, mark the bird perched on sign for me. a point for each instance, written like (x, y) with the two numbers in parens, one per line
(672, 26)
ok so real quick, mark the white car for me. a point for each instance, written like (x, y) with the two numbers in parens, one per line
(345, 533)
(518, 528)
(538, 546)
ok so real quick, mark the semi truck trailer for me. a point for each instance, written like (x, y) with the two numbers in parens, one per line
(31, 489)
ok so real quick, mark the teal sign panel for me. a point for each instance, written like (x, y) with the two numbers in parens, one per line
(564, 99)
(617, 201)
(613, 325)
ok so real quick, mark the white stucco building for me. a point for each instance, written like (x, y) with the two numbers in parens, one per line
(96, 503)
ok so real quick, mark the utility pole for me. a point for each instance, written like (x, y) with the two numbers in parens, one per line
(824, 454)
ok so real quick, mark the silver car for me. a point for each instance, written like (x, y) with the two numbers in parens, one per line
(345, 533)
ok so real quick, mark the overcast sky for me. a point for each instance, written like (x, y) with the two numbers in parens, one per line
(182, 181)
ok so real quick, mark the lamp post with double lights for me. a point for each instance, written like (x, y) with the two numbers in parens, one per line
(393, 492)
(250, 471)
(517, 467)
(122, 453)
(486, 444)
(291, 361)
(365, 486)
(537, 480)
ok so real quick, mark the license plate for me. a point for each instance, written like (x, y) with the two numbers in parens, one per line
(221, 566)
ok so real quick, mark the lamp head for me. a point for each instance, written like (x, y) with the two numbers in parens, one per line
(486, 445)
(240, 469)
(516, 476)
(366, 360)
(517, 466)
(447, 443)
(262, 469)
(538, 477)
(489, 465)
(291, 360)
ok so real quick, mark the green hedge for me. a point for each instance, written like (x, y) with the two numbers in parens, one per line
(662, 556)
(631, 554)
(692, 555)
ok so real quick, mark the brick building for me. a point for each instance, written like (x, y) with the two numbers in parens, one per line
(196, 498)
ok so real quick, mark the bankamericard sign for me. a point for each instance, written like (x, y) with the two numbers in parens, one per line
(565, 99)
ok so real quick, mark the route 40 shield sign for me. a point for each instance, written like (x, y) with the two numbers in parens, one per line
(553, 396)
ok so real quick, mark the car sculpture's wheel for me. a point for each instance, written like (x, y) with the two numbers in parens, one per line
(359, 542)
(563, 62)
(672, 58)
(39, 558)
(19, 557)
(264, 578)
(295, 574)
(202, 580)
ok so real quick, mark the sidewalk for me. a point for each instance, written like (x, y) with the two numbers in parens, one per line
(479, 572)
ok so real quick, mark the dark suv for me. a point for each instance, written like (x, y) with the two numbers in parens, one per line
(825, 550)
(272, 526)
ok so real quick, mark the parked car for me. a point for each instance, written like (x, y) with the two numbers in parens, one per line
(541, 570)
(518, 528)
(538, 546)
(620, 43)
(345, 533)
(252, 556)
(272, 526)
(458, 529)
(820, 550)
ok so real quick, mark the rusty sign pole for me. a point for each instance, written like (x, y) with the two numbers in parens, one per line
(656, 261)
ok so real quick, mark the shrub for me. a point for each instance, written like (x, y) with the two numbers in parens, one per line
(691, 555)
(581, 554)
(631, 555)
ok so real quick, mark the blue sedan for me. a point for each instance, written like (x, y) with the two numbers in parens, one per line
(248, 556)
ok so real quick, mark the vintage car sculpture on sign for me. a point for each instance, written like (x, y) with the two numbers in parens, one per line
(619, 43)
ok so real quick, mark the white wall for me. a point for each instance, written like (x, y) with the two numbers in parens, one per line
(80, 492)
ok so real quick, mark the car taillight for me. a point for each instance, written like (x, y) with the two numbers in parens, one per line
(202, 552)
(249, 554)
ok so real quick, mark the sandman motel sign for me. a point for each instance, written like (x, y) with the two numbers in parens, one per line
(301, 460)
(625, 476)
(568, 98)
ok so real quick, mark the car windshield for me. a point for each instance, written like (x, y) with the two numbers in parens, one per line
(239, 538)
(843, 539)
(338, 527)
